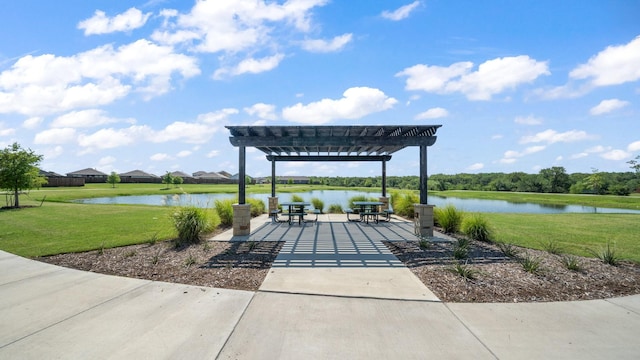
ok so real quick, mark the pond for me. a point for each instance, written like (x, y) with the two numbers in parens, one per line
(341, 197)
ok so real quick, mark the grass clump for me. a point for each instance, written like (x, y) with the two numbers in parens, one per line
(449, 218)
(477, 227)
(608, 255)
(530, 264)
(296, 198)
(224, 209)
(317, 204)
(509, 249)
(571, 262)
(403, 202)
(257, 207)
(191, 222)
(461, 248)
(335, 209)
(552, 247)
(424, 244)
(465, 271)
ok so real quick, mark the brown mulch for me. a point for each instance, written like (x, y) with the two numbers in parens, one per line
(498, 278)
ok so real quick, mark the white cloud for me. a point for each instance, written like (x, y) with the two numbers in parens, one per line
(250, 65)
(4, 131)
(46, 84)
(551, 136)
(615, 155)
(402, 12)
(262, 111)
(99, 23)
(85, 118)
(106, 161)
(32, 122)
(612, 66)
(579, 155)
(597, 149)
(184, 153)
(194, 133)
(529, 120)
(606, 106)
(634, 146)
(112, 138)
(476, 166)
(433, 113)
(55, 136)
(356, 103)
(53, 153)
(497, 137)
(492, 77)
(213, 153)
(217, 117)
(160, 157)
(324, 46)
(510, 156)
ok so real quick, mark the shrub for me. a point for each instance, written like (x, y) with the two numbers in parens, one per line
(335, 209)
(508, 249)
(464, 270)
(257, 207)
(318, 204)
(608, 255)
(530, 263)
(296, 198)
(477, 227)
(224, 209)
(449, 218)
(191, 222)
(402, 203)
(571, 262)
(552, 247)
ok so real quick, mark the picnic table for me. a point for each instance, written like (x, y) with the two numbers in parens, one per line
(369, 210)
(296, 209)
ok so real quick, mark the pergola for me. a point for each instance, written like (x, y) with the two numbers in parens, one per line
(331, 143)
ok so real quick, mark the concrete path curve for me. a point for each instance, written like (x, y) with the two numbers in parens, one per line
(49, 312)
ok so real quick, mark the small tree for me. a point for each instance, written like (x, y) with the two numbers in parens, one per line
(177, 181)
(18, 170)
(167, 179)
(113, 179)
(635, 164)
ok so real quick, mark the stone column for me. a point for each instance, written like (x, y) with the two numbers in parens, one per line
(385, 203)
(273, 205)
(423, 220)
(241, 219)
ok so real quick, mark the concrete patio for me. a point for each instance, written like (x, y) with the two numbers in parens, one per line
(343, 296)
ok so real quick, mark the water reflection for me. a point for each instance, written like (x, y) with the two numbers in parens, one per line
(341, 197)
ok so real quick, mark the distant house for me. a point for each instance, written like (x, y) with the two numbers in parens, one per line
(90, 175)
(292, 179)
(208, 175)
(225, 174)
(180, 174)
(139, 176)
(54, 179)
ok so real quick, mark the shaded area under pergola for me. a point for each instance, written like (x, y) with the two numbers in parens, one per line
(332, 143)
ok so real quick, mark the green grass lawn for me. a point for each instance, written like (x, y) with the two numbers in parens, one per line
(575, 233)
(60, 227)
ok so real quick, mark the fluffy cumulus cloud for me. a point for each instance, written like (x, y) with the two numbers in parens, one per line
(491, 78)
(55, 136)
(550, 136)
(402, 12)
(251, 66)
(262, 111)
(112, 138)
(160, 157)
(634, 146)
(356, 103)
(612, 66)
(32, 122)
(510, 156)
(607, 106)
(85, 119)
(100, 23)
(433, 113)
(46, 84)
(475, 167)
(615, 154)
(324, 46)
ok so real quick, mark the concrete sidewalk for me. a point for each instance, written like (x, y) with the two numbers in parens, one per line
(51, 312)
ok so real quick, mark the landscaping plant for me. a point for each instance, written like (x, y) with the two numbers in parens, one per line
(191, 222)
(449, 218)
(477, 227)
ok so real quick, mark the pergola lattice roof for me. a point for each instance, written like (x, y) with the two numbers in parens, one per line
(328, 141)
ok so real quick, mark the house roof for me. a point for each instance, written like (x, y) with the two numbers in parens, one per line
(139, 174)
(87, 172)
(181, 174)
(208, 175)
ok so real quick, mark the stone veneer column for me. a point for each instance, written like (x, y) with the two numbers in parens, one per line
(241, 219)
(385, 203)
(423, 220)
(273, 205)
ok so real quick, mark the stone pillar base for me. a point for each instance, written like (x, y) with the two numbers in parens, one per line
(385, 203)
(423, 220)
(241, 219)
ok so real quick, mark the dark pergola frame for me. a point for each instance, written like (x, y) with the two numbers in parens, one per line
(331, 143)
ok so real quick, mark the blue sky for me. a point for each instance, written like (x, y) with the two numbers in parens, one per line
(516, 85)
